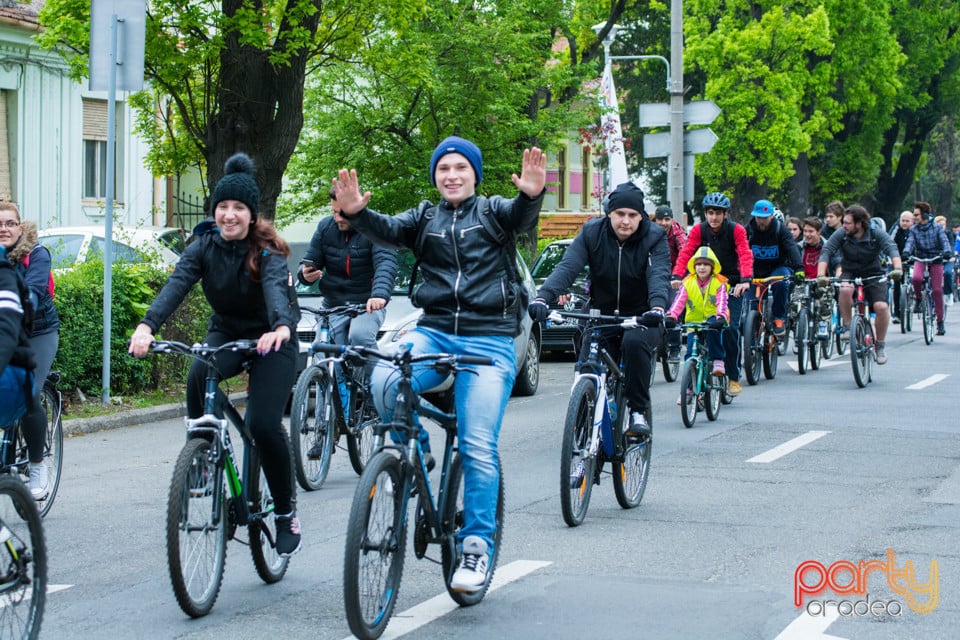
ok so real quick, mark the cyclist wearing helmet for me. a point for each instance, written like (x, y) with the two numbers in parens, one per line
(774, 254)
(729, 243)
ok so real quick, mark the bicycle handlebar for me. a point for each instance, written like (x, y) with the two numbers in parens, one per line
(627, 322)
(352, 310)
(402, 355)
(204, 351)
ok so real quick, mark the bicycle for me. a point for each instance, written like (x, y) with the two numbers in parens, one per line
(671, 370)
(906, 302)
(210, 496)
(863, 340)
(808, 344)
(23, 558)
(594, 427)
(760, 343)
(13, 447)
(699, 387)
(925, 308)
(319, 412)
(377, 527)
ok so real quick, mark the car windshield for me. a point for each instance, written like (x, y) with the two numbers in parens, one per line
(548, 261)
(63, 249)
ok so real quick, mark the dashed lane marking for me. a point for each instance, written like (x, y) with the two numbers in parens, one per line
(928, 382)
(788, 447)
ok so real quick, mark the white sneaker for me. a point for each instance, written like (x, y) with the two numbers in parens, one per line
(38, 481)
(472, 572)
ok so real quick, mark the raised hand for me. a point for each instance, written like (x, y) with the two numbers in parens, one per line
(347, 187)
(533, 173)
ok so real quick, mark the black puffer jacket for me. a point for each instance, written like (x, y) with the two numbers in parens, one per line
(628, 278)
(242, 308)
(355, 268)
(464, 286)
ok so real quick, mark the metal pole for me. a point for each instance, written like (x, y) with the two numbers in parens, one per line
(108, 219)
(675, 161)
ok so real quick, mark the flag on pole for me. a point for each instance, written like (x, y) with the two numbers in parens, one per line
(610, 125)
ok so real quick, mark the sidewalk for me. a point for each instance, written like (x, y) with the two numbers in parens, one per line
(133, 417)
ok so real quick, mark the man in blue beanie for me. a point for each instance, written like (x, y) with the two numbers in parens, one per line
(470, 304)
(629, 264)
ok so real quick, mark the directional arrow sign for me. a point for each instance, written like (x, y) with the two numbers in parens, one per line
(657, 114)
(657, 145)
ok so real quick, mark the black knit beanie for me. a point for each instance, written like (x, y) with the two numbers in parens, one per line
(238, 183)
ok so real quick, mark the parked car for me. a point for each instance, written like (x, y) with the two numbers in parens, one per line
(72, 245)
(560, 336)
(402, 315)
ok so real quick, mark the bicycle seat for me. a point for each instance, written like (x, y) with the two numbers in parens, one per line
(441, 396)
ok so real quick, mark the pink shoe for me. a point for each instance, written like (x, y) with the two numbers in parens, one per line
(718, 368)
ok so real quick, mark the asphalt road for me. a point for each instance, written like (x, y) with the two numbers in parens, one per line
(710, 553)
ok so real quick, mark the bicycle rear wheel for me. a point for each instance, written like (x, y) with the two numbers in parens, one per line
(577, 465)
(376, 542)
(688, 392)
(803, 322)
(311, 427)
(752, 347)
(813, 345)
(23, 585)
(927, 317)
(453, 523)
(270, 566)
(670, 369)
(52, 447)
(630, 476)
(196, 529)
(860, 355)
(906, 306)
(360, 439)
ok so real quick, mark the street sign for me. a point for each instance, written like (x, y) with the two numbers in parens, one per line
(657, 114)
(657, 145)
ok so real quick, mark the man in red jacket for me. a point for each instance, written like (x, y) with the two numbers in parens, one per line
(729, 242)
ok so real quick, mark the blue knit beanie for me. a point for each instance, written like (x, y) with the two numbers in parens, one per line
(467, 149)
(238, 183)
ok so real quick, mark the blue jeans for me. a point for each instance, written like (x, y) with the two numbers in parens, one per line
(480, 398)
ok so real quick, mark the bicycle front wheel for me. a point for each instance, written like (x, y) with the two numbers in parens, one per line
(196, 529)
(813, 345)
(712, 395)
(270, 566)
(311, 427)
(376, 542)
(453, 523)
(803, 327)
(688, 392)
(670, 369)
(577, 464)
(771, 353)
(906, 306)
(23, 585)
(860, 351)
(630, 476)
(926, 314)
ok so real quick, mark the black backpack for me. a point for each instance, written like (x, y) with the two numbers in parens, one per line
(506, 240)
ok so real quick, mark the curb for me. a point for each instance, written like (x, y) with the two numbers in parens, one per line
(133, 417)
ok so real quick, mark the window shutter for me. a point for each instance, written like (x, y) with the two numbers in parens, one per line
(94, 119)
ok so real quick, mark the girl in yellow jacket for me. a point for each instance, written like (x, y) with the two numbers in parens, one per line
(704, 294)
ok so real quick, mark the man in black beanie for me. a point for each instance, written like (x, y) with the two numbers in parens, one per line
(629, 276)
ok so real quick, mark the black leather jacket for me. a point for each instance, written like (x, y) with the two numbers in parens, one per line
(242, 308)
(464, 285)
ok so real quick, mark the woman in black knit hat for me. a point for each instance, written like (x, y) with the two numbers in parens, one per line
(241, 264)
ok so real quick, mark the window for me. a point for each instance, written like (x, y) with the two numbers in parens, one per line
(95, 151)
(586, 179)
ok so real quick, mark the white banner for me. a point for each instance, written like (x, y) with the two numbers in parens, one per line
(610, 125)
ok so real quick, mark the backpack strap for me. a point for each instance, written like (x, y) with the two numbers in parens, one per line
(506, 240)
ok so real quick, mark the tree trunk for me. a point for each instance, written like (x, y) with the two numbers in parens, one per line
(798, 199)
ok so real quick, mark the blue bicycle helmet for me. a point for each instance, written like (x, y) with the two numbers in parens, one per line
(716, 200)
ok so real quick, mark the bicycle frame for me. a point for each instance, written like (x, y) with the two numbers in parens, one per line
(762, 300)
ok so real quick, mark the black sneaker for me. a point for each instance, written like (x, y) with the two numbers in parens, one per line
(316, 451)
(941, 330)
(288, 535)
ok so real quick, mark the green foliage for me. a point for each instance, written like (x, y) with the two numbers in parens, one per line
(79, 301)
(484, 70)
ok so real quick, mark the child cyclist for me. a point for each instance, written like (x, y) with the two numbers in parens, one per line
(704, 294)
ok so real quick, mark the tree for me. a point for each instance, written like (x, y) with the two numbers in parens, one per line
(228, 76)
(384, 111)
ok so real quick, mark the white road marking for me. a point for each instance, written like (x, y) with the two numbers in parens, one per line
(807, 627)
(439, 606)
(51, 588)
(927, 382)
(824, 364)
(788, 447)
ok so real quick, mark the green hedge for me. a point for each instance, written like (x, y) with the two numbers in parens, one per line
(79, 301)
